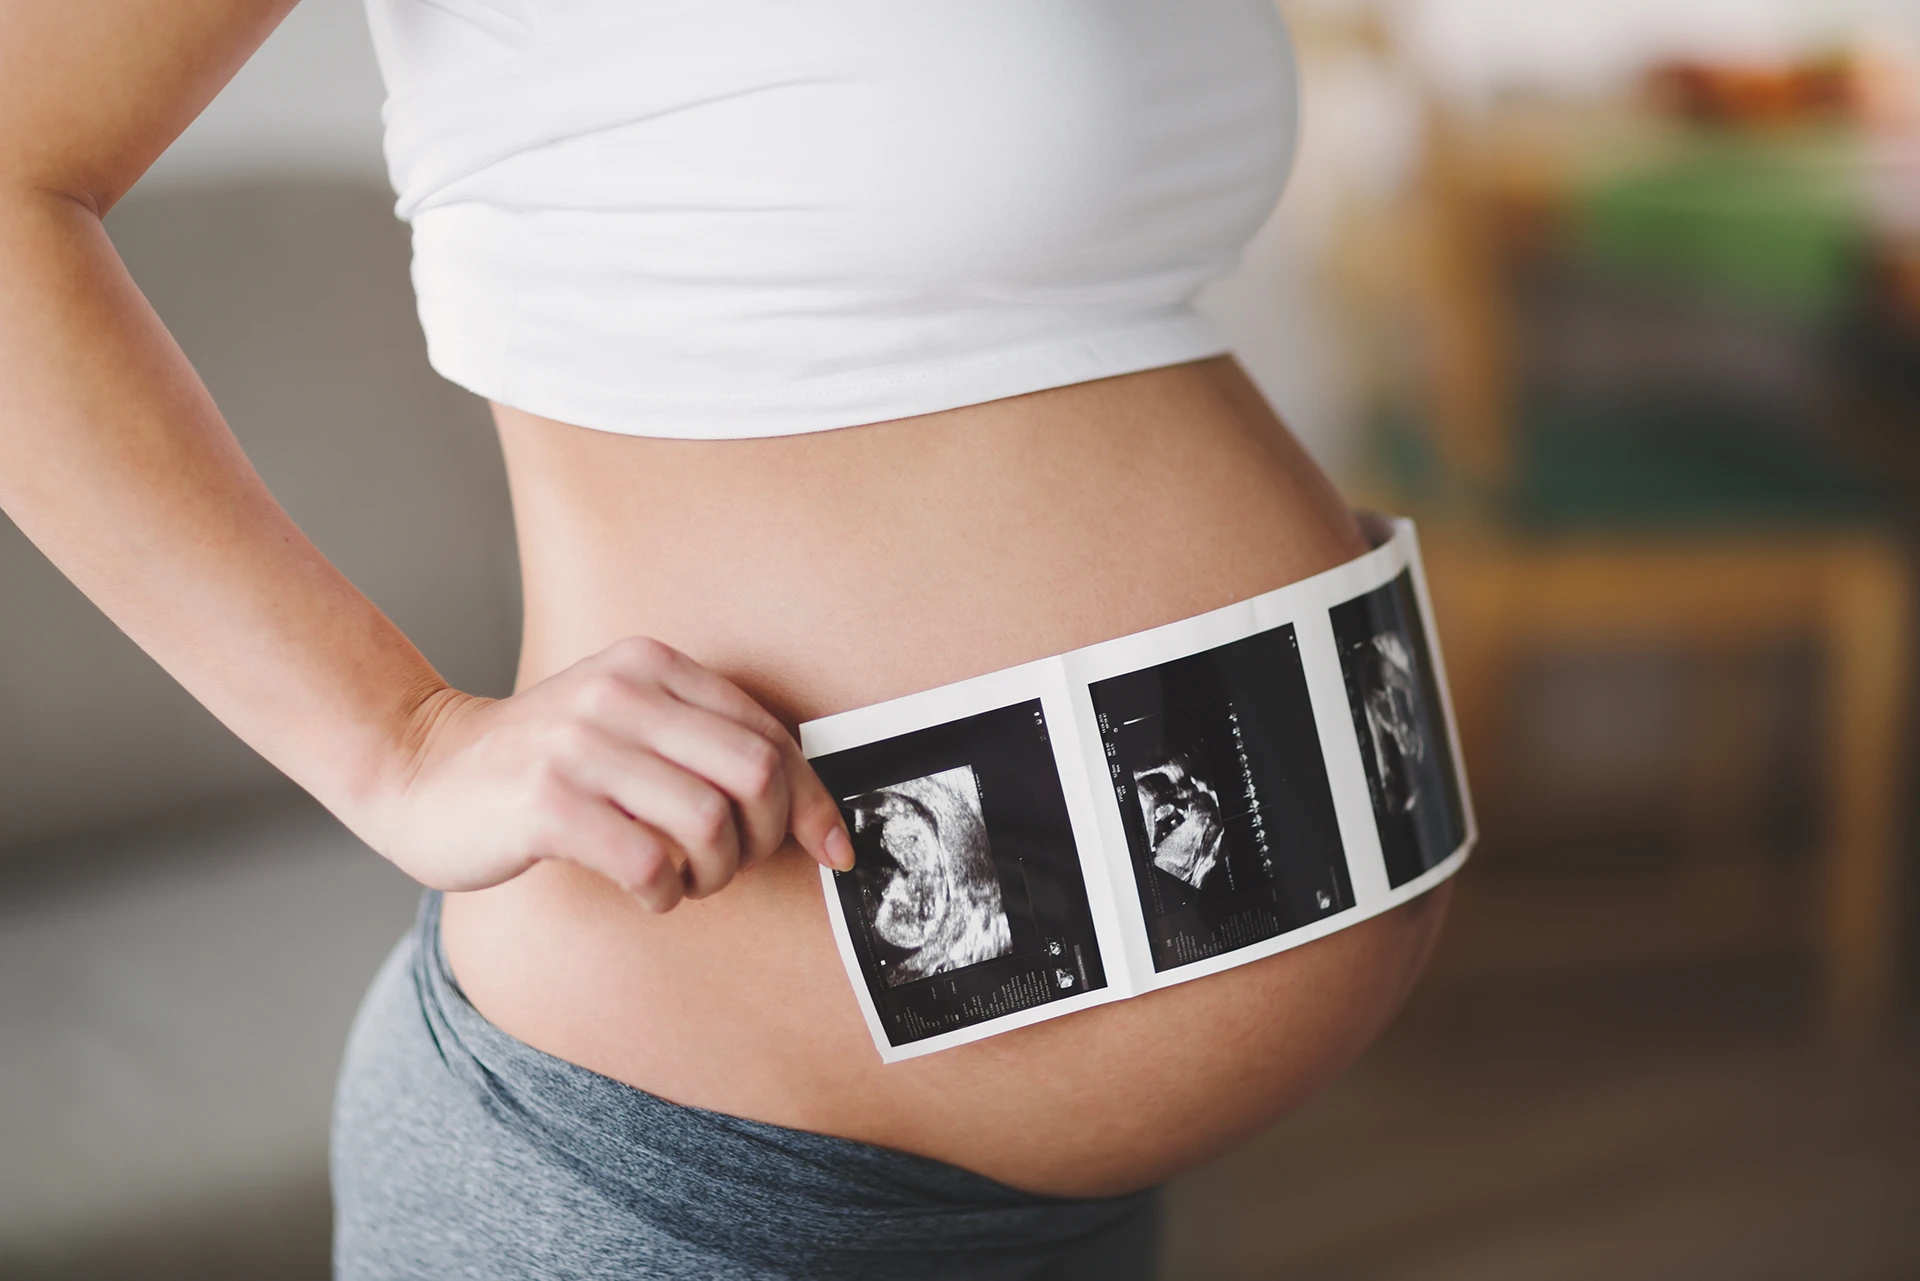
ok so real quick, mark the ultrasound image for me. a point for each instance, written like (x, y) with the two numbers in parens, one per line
(1215, 762)
(1404, 749)
(966, 900)
(1181, 811)
(926, 877)
(1390, 697)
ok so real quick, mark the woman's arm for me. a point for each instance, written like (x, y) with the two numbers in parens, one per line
(116, 463)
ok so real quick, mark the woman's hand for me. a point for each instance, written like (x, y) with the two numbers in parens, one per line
(637, 763)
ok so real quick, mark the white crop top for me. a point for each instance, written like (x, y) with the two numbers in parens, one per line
(729, 218)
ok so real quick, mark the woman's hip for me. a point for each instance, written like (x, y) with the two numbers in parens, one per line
(458, 1150)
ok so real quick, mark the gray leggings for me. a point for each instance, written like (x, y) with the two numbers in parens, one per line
(459, 1151)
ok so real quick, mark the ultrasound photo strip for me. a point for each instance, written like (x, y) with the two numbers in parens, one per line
(1148, 810)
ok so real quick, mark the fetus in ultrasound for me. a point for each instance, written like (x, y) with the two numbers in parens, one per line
(1399, 722)
(926, 876)
(1390, 698)
(1181, 809)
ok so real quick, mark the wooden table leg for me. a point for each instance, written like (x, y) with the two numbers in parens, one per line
(1868, 647)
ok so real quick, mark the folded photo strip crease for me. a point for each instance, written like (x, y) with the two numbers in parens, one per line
(1145, 811)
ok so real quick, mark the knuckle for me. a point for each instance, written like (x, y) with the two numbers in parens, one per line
(572, 740)
(760, 721)
(708, 816)
(548, 789)
(760, 766)
(642, 653)
(598, 695)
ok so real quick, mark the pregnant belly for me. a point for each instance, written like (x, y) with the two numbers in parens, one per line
(827, 571)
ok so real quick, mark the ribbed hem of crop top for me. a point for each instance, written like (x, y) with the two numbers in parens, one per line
(461, 351)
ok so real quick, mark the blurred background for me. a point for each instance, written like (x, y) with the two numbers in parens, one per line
(1621, 300)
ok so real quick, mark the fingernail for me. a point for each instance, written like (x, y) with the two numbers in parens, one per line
(839, 850)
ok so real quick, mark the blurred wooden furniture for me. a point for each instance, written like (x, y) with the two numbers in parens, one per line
(1502, 592)
(1498, 597)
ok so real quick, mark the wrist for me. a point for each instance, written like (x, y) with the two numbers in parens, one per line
(396, 758)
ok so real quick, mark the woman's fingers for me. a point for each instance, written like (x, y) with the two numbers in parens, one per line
(701, 686)
(741, 763)
(633, 855)
(677, 803)
(813, 817)
(773, 787)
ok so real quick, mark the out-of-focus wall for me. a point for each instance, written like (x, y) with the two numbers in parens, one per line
(306, 104)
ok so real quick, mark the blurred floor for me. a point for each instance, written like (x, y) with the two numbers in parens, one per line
(1659, 1125)
(164, 1079)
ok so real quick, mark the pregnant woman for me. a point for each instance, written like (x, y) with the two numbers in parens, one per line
(837, 350)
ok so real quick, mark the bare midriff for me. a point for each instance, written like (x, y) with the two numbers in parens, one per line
(829, 570)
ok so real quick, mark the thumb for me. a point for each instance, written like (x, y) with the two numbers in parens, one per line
(813, 817)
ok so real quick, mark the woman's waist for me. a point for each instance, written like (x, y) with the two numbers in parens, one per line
(826, 571)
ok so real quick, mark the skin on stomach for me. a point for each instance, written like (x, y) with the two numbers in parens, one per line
(829, 570)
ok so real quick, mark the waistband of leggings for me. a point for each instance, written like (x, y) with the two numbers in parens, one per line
(696, 1164)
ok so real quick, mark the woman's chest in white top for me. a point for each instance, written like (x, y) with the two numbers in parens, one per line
(968, 139)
